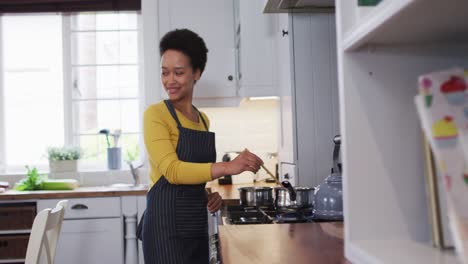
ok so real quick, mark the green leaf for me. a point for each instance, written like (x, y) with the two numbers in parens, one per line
(33, 180)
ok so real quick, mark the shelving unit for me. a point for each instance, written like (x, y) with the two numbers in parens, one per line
(11, 260)
(20, 231)
(381, 52)
(406, 22)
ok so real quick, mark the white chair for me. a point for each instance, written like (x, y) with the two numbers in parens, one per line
(44, 234)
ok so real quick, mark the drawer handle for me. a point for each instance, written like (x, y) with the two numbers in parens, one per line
(79, 207)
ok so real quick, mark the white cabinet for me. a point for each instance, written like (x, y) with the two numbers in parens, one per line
(381, 53)
(256, 49)
(287, 151)
(214, 22)
(92, 231)
(307, 79)
(91, 241)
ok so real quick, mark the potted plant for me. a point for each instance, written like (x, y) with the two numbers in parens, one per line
(63, 159)
(114, 154)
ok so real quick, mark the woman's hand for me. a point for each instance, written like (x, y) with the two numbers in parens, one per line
(214, 202)
(245, 161)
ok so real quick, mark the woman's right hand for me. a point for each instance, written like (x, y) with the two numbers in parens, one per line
(245, 161)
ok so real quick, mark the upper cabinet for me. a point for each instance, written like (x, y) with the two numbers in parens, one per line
(241, 44)
(283, 74)
(214, 22)
(299, 6)
(255, 40)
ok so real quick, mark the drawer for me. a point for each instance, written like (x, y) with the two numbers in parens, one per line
(86, 207)
(13, 246)
(17, 216)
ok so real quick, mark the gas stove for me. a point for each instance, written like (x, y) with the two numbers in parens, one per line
(241, 215)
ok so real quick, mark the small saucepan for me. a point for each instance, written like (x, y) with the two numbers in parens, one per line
(256, 196)
(294, 197)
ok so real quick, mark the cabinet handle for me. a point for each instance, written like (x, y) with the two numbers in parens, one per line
(286, 176)
(285, 32)
(79, 207)
(230, 78)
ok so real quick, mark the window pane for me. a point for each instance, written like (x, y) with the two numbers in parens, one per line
(109, 114)
(130, 147)
(105, 82)
(33, 84)
(95, 149)
(105, 48)
(105, 21)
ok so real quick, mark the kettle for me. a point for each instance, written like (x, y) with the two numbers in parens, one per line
(328, 198)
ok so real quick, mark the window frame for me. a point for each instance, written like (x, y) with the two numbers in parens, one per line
(3, 166)
(71, 133)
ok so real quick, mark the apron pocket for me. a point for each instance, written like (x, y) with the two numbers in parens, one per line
(191, 215)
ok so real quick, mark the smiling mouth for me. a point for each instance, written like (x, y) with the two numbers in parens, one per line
(172, 90)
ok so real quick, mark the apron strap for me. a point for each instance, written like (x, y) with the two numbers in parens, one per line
(174, 115)
(172, 111)
(202, 119)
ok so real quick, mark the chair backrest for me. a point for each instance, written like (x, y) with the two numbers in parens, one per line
(44, 234)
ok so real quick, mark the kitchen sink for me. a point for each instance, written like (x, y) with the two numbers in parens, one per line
(126, 186)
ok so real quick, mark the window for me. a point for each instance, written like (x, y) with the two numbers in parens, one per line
(105, 82)
(65, 77)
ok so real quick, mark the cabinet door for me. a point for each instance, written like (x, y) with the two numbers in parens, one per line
(257, 49)
(287, 147)
(214, 22)
(316, 95)
(91, 241)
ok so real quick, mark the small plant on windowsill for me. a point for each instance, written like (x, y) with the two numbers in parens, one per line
(63, 159)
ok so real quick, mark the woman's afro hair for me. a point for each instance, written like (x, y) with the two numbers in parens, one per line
(187, 42)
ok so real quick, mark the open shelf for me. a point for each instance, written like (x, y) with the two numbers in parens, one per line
(19, 231)
(11, 260)
(408, 22)
(402, 252)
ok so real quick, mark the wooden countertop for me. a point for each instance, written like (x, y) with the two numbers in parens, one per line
(230, 192)
(283, 243)
(80, 192)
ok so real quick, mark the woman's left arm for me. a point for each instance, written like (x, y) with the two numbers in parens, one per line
(214, 202)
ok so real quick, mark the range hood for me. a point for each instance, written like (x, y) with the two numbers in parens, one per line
(299, 6)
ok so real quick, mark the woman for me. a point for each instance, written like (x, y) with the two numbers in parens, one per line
(182, 157)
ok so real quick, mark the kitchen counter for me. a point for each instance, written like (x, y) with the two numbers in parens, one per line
(229, 193)
(80, 192)
(283, 243)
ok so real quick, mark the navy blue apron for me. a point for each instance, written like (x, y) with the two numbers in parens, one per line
(174, 227)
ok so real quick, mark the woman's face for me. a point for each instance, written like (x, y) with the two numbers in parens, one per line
(177, 75)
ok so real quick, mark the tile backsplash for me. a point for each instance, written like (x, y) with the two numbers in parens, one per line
(253, 125)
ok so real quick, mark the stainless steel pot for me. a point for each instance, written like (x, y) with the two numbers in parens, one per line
(304, 197)
(256, 196)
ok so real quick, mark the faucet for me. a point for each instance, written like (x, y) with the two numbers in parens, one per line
(134, 172)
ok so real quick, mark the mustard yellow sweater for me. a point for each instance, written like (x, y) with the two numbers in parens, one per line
(161, 136)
